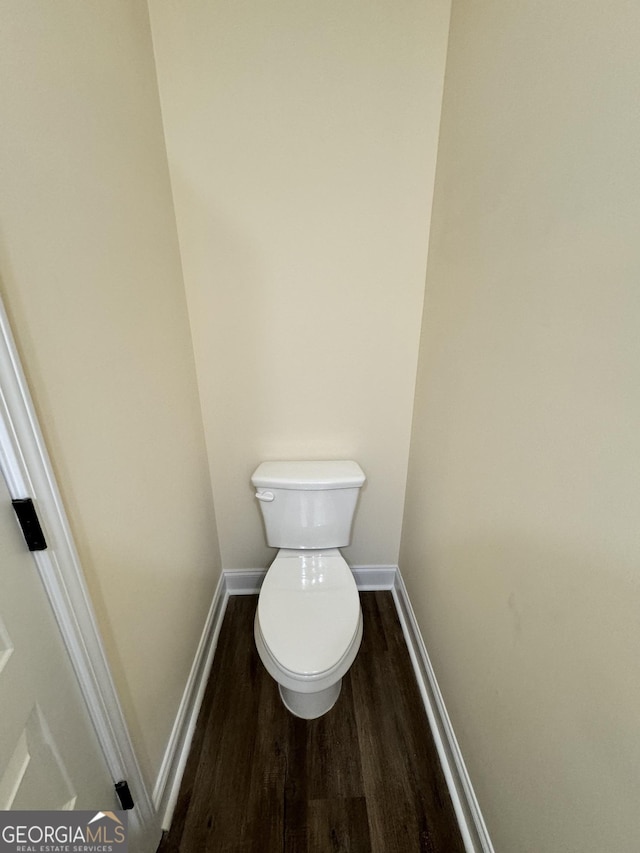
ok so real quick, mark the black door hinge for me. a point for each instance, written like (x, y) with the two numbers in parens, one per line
(30, 524)
(124, 795)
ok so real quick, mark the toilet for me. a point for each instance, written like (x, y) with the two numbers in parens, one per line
(308, 623)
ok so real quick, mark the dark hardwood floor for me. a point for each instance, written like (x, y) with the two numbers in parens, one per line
(365, 777)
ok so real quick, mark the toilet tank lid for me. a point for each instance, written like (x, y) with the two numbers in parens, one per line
(341, 474)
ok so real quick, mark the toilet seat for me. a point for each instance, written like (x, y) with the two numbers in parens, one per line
(309, 611)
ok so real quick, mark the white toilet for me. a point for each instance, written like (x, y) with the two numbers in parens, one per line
(308, 624)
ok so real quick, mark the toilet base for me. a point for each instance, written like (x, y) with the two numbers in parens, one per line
(317, 694)
(309, 706)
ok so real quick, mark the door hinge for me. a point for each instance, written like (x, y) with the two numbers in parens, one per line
(124, 795)
(30, 524)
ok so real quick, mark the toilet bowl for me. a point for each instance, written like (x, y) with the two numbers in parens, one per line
(308, 627)
(308, 624)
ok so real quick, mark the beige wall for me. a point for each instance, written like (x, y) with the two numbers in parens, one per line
(91, 277)
(301, 140)
(520, 543)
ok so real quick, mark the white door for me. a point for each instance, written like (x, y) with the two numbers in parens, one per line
(50, 757)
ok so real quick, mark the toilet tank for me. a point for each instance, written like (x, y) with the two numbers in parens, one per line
(308, 504)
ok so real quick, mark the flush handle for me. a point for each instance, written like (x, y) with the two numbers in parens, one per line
(265, 496)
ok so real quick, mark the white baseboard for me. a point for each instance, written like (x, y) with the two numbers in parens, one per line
(368, 578)
(248, 582)
(244, 581)
(167, 787)
(472, 826)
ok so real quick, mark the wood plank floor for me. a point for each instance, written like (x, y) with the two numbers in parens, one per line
(365, 777)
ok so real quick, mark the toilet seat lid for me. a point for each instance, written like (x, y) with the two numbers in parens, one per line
(308, 610)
